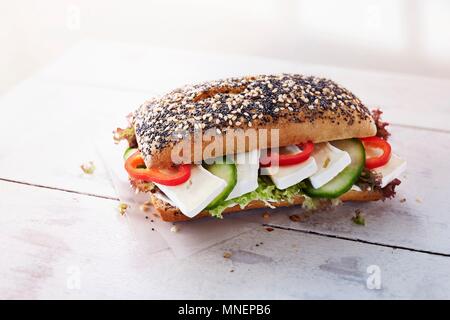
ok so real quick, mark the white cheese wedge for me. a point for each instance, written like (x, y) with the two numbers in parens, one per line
(195, 194)
(330, 162)
(247, 166)
(391, 170)
(285, 176)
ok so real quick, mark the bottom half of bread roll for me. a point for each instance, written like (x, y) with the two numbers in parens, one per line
(169, 213)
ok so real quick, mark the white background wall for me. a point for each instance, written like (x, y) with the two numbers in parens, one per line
(411, 36)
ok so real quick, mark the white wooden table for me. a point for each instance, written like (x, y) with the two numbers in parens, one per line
(62, 237)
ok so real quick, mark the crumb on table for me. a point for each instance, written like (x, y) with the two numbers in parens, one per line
(295, 218)
(123, 208)
(359, 218)
(88, 167)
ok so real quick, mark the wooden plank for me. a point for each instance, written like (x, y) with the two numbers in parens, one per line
(422, 221)
(47, 235)
(66, 110)
(417, 218)
(407, 99)
(59, 136)
(62, 245)
(48, 131)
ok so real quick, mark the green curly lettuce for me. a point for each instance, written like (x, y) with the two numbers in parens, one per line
(266, 192)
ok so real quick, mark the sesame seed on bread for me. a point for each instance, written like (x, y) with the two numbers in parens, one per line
(302, 108)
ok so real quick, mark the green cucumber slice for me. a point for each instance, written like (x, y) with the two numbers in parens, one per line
(345, 179)
(227, 172)
(128, 153)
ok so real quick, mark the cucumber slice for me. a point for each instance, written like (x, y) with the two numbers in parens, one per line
(227, 172)
(347, 177)
(128, 153)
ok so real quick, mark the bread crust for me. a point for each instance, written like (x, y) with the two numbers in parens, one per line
(302, 108)
(169, 213)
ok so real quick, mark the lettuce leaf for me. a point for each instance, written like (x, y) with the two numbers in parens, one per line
(266, 192)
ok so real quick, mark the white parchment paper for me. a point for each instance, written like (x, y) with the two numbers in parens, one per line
(192, 236)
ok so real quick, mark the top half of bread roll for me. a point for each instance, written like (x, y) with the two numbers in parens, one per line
(302, 108)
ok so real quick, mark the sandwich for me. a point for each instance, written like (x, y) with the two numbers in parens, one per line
(264, 141)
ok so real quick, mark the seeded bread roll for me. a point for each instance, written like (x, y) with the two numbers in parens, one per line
(302, 108)
(170, 213)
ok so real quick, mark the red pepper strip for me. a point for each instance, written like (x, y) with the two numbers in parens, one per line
(378, 143)
(172, 176)
(289, 159)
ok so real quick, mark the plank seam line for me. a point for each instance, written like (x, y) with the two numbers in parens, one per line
(358, 240)
(265, 224)
(411, 126)
(59, 189)
(138, 91)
